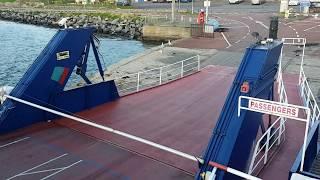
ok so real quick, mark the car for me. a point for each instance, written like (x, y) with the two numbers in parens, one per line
(257, 2)
(123, 3)
(185, 1)
(293, 2)
(235, 1)
(159, 1)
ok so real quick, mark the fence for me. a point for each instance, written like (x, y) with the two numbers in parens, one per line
(154, 77)
(179, 20)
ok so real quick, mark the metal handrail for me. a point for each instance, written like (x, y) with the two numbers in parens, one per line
(307, 97)
(157, 76)
(280, 129)
(283, 98)
(268, 134)
(305, 93)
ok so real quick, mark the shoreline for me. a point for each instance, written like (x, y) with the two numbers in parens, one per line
(106, 24)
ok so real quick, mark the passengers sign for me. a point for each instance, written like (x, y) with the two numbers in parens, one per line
(272, 108)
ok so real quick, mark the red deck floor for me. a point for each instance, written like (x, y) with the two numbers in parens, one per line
(180, 115)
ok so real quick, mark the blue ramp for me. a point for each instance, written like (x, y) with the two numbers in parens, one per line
(44, 81)
(233, 137)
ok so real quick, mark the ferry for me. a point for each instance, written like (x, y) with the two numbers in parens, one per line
(187, 122)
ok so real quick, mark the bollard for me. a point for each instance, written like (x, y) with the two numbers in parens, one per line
(273, 30)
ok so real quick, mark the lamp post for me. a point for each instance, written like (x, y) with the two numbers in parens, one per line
(173, 9)
(192, 6)
(206, 5)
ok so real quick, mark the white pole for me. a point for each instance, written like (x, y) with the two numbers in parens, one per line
(305, 140)
(179, 153)
(138, 82)
(181, 75)
(198, 56)
(302, 61)
(207, 12)
(192, 6)
(160, 78)
(173, 9)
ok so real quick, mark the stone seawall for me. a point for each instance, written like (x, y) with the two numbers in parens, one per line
(125, 27)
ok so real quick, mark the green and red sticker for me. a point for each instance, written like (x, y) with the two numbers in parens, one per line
(59, 74)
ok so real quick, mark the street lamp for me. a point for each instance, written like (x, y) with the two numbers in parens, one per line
(192, 6)
(206, 5)
(173, 9)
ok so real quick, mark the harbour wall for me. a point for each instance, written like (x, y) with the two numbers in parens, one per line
(125, 27)
(165, 32)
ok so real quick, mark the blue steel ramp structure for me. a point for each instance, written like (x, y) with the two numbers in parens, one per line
(46, 78)
(233, 137)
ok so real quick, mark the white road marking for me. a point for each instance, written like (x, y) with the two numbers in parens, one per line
(14, 142)
(21, 174)
(311, 28)
(62, 169)
(244, 24)
(229, 45)
(261, 23)
(250, 18)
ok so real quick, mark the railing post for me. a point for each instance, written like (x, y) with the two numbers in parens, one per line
(138, 82)
(314, 112)
(253, 159)
(280, 130)
(198, 56)
(181, 75)
(308, 97)
(267, 148)
(302, 87)
(160, 77)
(302, 61)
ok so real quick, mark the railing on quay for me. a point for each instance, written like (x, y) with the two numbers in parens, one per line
(155, 77)
(179, 20)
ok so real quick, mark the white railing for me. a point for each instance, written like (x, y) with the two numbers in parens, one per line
(304, 87)
(308, 98)
(154, 77)
(274, 135)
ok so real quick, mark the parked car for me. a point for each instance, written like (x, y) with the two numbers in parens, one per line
(170, 1)
(159, 1)
(123, 3)
(257, 2)
(185, 1)
(293, 2)
(235, 1)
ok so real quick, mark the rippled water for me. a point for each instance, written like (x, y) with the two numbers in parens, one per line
(20, 44)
